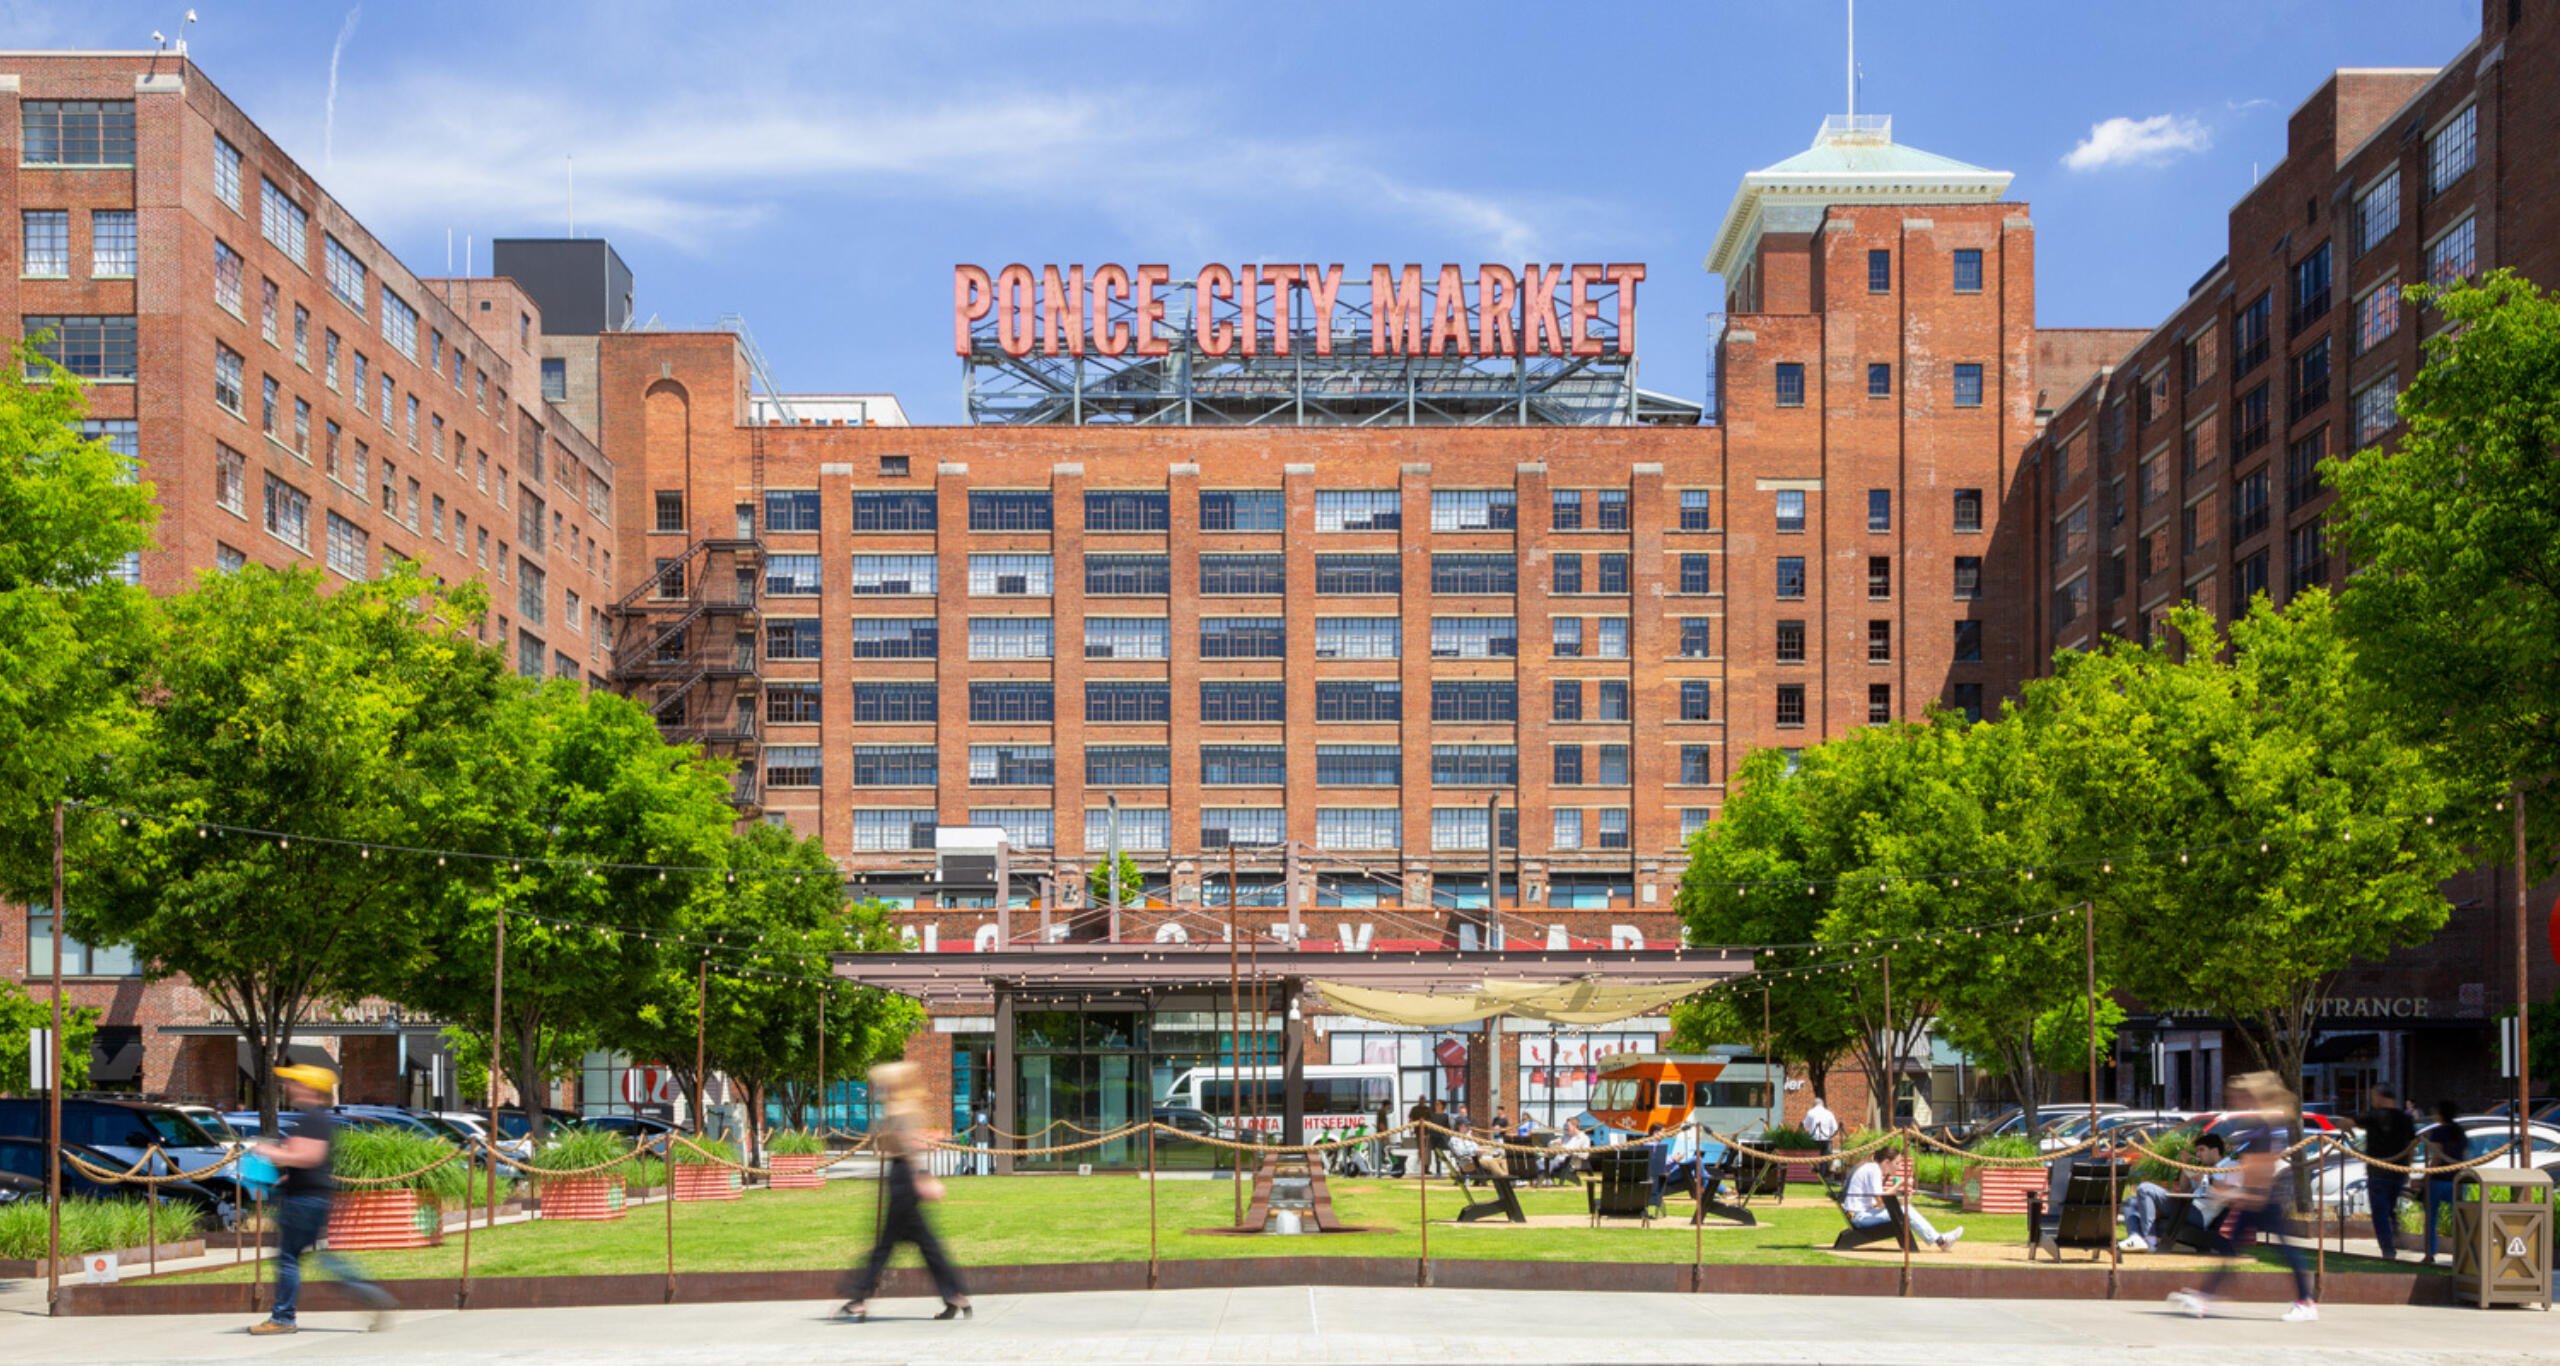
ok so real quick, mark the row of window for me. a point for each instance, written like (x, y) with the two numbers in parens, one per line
(1148, 574)
(1461, 765)
(1150, 829)
(1243, 700)
(44, 244)
(1220, 510)
(1965, 383)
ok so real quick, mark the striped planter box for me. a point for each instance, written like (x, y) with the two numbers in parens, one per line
(797, 1171)
(593, 1198)
(2002, 1190)
(362, 1220)
(704, 1182)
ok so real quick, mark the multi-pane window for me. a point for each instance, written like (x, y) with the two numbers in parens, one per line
(1126, 510)
(1355, 575)
(1567, 635)
(1966, 270)
(1127, 766)
(2151, 479)
(895, 575)
(1790, 510)
(1968, 509)
(75, 132)
(226, 172)
(1564, 700)
(1791, 576)
(2377, 212)
(1144, 829)
(2452, 149)
(1612, 701)
(288, 513)
(302, 428)
(1359, 510)
(1612, 509)
(2377, 314)
(1473, 510)
(345, 273)
(2454, 255)
(1564, 510)
(1474, 573)
(1010, 638)
(1243, 638)
(1879, 379)
(44, 247)
(1009, 510)
(2302, 466)
(1968, 376)
(1568, 827)
(1879, 509)
(1697, 510)
(1474, 637)
(1789, 384)
(555, 379)
(1241, 510)
(2070, 533)
(2309, 565)
(1879, 270)
(1243, 766)
(1697, 765)
(230, 480)
(1263, 575)
(2071, 601)
(1127, 575)
(2248, 580)
(1968, 648)
(1359, 637)
(790, 638)
(1011, 701)
(284, 223)
(1464, 827)
(1613, 827)
(1968, 701)
(1790, 710)
(1127, 638)
(1359, 765)
(1242, 700)
(399, 324)
(1474, 765)
(105, 348)
(350, 550)
(877, 830)
(1611, 642)
(893, 510)
(791, 704)
(1879, 641)
(1474, 701)
(2375, 410)
(2250, 328)
(328, 356)
(1359, 827)
(2310, 288)
(113, 253)
(1361, 699)
(2307, 375)
(895, 765)
(1107, 702)
(1790, 641)
(1697, 700)
(896, 637)
(1697, 637)
(1567, 571)
(1024, 827)
(228, 274)
(2249, 420)
(1879, 703)
(1697, 573)
(789, 575)
(791, 510)
(791, 766)
(229, 560)
(1613, 572)
(1010, 576)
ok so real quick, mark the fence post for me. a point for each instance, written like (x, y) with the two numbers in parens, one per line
(153, 1191)
(667, 1159)
(1151, 1204)
(1422, 1190)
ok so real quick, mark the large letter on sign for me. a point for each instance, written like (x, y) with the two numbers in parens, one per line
(971, 297)
(1017, 310)
(1395, 312)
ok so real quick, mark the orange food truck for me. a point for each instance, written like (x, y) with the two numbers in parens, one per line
(1727, 1093)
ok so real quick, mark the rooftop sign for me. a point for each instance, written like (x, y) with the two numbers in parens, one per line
(1263, 309)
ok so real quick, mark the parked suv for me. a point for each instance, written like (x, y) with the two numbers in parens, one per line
(125, 1130)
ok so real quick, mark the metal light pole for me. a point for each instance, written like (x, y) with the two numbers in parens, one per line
(2089, 956)
(2524, 1002)
(53, 1096)
(1111, 830)
(1235, 1030)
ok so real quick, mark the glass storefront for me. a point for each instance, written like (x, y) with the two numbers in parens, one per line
(1093, 1066)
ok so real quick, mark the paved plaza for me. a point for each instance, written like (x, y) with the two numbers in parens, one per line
(1326, 1324)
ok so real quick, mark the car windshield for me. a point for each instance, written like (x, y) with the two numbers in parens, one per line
(177, 1130)
(213, 1123)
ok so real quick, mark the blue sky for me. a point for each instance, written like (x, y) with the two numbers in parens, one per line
(820, 167)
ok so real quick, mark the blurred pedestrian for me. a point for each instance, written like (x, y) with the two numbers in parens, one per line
(2447, 1147)
(302, 1156)
(2255, 1207)
(898, 1093)
(2389, 1136)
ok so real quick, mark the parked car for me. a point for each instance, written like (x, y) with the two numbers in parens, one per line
(629, 1126)
(22, 1178)
(125, 1130)
(477, 1127)
(1189, 1120)
(2341, 1178)
(211, 1121)
(2112, 1124)
(2013, 1121)
(246, 1122)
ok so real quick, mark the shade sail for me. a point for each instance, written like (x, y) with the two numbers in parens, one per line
(1584, 1001)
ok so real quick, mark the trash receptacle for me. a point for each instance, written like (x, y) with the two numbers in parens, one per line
(2502, 1236)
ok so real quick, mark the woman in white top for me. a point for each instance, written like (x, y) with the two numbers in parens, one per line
(1863, 1202)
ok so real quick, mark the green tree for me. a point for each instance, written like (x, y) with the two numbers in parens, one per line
(276, 706)
(20, 1012)
(582, 803)
(71, 630)
(2312, 837)
(1133, 884)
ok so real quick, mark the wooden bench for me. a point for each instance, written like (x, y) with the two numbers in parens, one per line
(2086, 1218)
(1505, 1201)
(1624, 1185)
(1895, 1229)
(1733, 1172)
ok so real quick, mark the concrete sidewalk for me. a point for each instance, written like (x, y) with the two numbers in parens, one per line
(1333, 1324)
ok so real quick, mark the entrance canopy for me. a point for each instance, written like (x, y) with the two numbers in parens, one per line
(1586, 1001)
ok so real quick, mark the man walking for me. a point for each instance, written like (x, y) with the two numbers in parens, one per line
(1821, 1125)
(302, 1201)
(2389, 1136)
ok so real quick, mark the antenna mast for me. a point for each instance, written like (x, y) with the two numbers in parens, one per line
(1853, 62)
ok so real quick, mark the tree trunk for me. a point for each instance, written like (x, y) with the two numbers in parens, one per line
(529, 1079)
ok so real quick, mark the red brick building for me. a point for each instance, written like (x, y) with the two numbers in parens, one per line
(2188, 468)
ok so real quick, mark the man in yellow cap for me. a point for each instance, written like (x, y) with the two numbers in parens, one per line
(302, 1199)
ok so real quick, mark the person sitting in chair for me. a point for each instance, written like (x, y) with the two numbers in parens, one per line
(2146, 1212)
(1674, 1160)
(1863, 1202)
(1570, 1152)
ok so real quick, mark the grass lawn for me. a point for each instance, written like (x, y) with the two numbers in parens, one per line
(998, 1220)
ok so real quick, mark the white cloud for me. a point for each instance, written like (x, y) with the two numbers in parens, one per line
(2122, 141)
